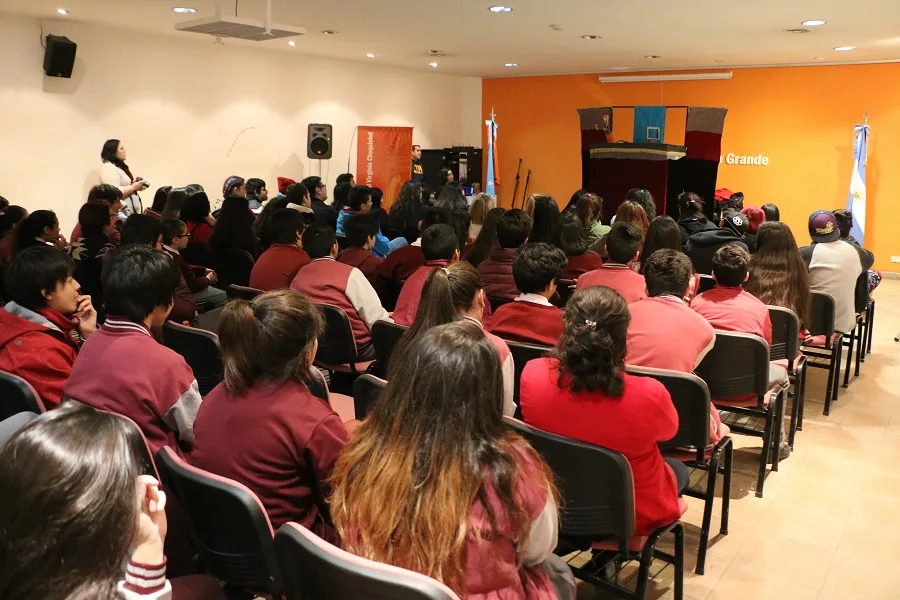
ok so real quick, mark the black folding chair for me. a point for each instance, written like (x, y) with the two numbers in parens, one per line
(786, 347)
(315, 570)
(342, 241)
(17, 395)
(598, 489)
(234, 267)
(337, 347)
(707, 282)
(822, 317)
(242, 291)
(856, 336)
(366, 393)
(565, 288)
(13, 423)
(522, 353)
(738, 365)
(228, 525)
(691, 399)
(200, 349)
(496, 302)
(385, 335)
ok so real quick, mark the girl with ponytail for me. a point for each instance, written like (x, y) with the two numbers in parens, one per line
(582, 391)
(262, 426)
(454, 293)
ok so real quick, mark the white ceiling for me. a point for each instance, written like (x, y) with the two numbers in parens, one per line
(477, 42)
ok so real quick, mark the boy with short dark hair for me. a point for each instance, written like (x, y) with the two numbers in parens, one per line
(359, 201)
(530, 317)
(327, 281)
(276, 268)
(160, 393)
(623, 245)
(403, 262)
(45, 322)
(497, 270)
(361, 231)
(199, 280)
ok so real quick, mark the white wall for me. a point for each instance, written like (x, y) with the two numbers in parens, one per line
(189, 111)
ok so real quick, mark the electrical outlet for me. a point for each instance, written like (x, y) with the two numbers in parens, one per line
(895, 259)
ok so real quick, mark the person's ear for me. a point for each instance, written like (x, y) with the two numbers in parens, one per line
(455, 256)
(747, 277)
(334, 250)
(637, 256)
(420, 225)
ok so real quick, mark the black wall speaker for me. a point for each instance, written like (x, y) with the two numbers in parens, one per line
(59, 57)
(318, 141)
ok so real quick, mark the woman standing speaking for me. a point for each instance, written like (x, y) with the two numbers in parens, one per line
(115, 172)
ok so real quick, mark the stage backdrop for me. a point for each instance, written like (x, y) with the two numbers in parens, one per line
(383, 158)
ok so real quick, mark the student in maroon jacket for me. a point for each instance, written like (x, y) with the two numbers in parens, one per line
(360, 231)
(276, 268)
(175, 239)
(262, 426)
(531, 318)
(496, 271)
(45, 322)
(623, 244)
(121, 368)
(439, 248)
(574, 242)
(403, 262)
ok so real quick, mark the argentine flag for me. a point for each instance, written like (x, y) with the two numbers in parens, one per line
(856, 203)
(492, 179)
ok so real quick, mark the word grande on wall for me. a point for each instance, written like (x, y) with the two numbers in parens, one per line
(737, 159)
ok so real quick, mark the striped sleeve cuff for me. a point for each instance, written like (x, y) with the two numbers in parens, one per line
(145, 579)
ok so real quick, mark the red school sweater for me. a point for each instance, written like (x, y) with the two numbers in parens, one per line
(276, 268)
(408, 302)
(529, 322)
(630, 285)
(733, 309)
(362, 259)
(580, 264)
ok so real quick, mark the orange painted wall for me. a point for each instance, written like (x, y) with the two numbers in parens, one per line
(800, 117)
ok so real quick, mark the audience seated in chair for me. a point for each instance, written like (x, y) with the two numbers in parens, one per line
(111, 196)
(39, 228)
(93, 242)
(199, 280)
(497, 270)
(702, 245)
(486, 239)
(288, 438)
(359, 201)
(327, 281)
(574, 242)
(845, 224)
(441, 415)
(454, 293)
(276, 268)
(234, 229)
(834, 266)
(45, 322)
(195, 214)
(319, 194)
(12, 216)
(121, 368)
(623, 243)
(361, 231)
(531, 318)
(581, 391)
(778, 275)
(112, 546)
(691, 218)
(628, 212)
(408, 211)
(404, 261)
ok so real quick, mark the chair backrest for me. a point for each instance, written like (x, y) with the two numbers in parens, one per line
(366, 392)
(318, 386)
(785, 334)
(242, 291)
(143, 449)
(336, 344)
(10, 425)
(595, 483)
(861, 293)
(706, 283)
(522, 353)
(228, 524)
(200, 349)
(565, 288)
(822, 316)
(737, 365)
(17, 395)
(316, 570)
(342, 241)
(496, 302)
(691, 399)
(235, 267)
(385, 336)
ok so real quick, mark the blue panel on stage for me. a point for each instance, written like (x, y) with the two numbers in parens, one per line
(649, 124)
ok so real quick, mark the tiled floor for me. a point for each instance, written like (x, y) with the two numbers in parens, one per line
(828, 527)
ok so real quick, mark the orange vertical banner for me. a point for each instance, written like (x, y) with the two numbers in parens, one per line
(383, 158)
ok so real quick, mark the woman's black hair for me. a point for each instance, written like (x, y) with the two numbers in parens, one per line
(141, 229)
(261, 224)
(645, 199)
(409, 203)
(234, 227)
(93, 216)
(108, 153)
(452, 198)
(487, 237)
(444, 176)
(591, 351)
(377, 197)
(34, 271)
(159, 198)
(32, 227)
(545, 226)
(174, 204)
(572, 237)
(104, 193)
(663, 233)
(284, 227)
(195, 208)
(573, 201)
(690, 205)
(772, 212)
(11, 217)
(138, 279)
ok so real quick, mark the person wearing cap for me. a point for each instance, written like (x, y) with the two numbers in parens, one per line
(755, 217)
(702, 245)
(834, 266)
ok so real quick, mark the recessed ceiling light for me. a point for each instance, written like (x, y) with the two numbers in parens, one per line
(590, 37)
(62, 11)
(814, 23)
(844, 48)
(292, 43)
(511, 65)
(433, 65)
(329, 32)
(370, 55)
(184, 10)
(652, 56)
(500, 9)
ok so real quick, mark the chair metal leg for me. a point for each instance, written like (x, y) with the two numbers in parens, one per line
(778, 427)
(764, 455)
(795, 411)
(860, 347)
(802, 398)
(678, 530)
(711, 474)
(839, 346)
(849, 357)
(830, 384)
(870, 320)
(726, 488)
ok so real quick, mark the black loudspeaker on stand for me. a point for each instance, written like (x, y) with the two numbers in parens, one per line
(59, 56)
(318, 141)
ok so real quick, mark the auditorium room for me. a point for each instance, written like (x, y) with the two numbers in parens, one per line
(501, 299)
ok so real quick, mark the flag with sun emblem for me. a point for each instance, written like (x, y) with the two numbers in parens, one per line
(856, 202)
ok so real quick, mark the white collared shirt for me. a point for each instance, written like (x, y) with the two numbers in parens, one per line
(533, 298)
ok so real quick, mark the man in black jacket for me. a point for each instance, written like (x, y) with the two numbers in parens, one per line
(702, 245)
(318, 194)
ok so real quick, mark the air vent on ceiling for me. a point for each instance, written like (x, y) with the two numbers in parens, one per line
(222, 26)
